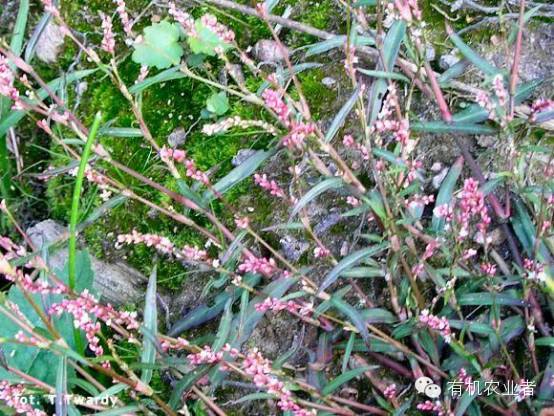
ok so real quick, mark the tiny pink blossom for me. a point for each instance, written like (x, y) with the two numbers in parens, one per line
(254, 264)
(271, 186)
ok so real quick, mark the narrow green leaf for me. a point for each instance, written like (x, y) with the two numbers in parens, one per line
(348, 262)
(545, 342)
(164, 76)
(238, 174)
(284, 75)
(18, 36)
(472, 56)
(120, 132)
(485, 298)
(224, 326)
(456, 127)
(148, 355)
(446, 192)
(341, 116)
(76, 197)
(353, 314)
(343, 378)
(383, 74)
(348, 351)
(254, 396)
(61, 387)
(391, 47)
(323, 186)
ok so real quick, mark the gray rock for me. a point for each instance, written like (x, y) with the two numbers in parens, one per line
(293, 248)
(446, 61)
(177, 137)
(116, 283)
(329, 82)
(267, 50)
(241, 156)
(49, 43)
(437, 179)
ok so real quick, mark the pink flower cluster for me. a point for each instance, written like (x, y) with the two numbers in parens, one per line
(11, 395)
(7, 79)
(429, 406)
(464, 377)
(489, 269)
(277, 305)
(421, 200)
(320, 252)
(236, 121)
(11, 250)
(180, 156)
(177, 344)
(124, 16)
(269, 185)
(253, 264)
(297, 134)
(535, 270)
(274, 101)
(390, 391)
(84, 309)
(385, 124)
(210, 22)
(539, 106)
(162, 245)
(108, 40)
(472, 204)
(206, 356)
(184, 19)
(438, 324)
(407, 10)
(259, 368)
(500, 90)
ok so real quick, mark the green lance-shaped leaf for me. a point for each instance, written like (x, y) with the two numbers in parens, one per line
(164, 76)
(486, 298)
(472, 56)
(224, 326)
(383, 74)
(283, 75)
(148, 355)
(441, 127)
(61, 387)
(341, 116)
(343, 378)
(446, 192)
(391, 47)
(323, 186)
(159, 46)
(354, 315)
(238, 174)
(348, 262)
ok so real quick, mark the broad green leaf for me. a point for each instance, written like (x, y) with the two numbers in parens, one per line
(475, 327)
(323, 186)
(446, 192)
(348, 262)
(148, 355)
(159, 46)
(218, 103)
(343, 378)
(455, 127)
(472, 56)
(341, 116)
(206, 41)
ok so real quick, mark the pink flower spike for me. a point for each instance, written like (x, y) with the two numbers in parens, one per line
(108, 40)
